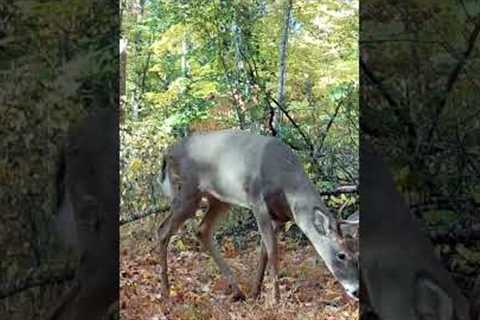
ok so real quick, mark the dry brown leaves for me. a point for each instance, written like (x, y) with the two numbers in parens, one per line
(199, 292)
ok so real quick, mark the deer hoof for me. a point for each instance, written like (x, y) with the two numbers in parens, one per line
(276, 298)
(238, 296)
(165, 295)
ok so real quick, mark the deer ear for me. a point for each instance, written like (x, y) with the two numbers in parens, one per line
(350, 226)
(431, 301)
(321, 222)
(348, 229)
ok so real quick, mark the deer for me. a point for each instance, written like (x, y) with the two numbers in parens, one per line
(87, 216)
(237, 168)
(403, 278)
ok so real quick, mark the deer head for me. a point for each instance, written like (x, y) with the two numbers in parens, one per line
(323, 230)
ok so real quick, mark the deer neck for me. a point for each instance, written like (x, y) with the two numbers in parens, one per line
(303, 202)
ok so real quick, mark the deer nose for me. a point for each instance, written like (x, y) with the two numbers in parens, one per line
(353, 294)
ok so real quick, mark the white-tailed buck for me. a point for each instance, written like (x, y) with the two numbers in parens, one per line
(88, 216)
(404, 279)
(255, 172)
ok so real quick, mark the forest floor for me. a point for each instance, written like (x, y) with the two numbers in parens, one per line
(198, 291)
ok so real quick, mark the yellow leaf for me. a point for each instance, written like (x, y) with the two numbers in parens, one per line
(136, 165)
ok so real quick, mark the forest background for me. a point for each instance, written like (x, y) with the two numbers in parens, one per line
(283, 68)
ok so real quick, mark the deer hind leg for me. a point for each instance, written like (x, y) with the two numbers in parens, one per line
(257, 284)
(183, 207)
(205, 236)
(269, 238)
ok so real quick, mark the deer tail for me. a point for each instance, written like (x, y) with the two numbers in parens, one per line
(165, 181)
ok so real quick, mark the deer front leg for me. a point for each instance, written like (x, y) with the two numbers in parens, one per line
(269, 238)
(257, 285)
(182, 208)
(205, 235)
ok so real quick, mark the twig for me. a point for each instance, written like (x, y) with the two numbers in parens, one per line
(440, 236)
(330, 123)
(253, 77)
(296, 126)
(340, 190)
(142, 215)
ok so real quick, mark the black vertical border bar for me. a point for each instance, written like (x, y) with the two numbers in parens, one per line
(419, 81)
(48, 83)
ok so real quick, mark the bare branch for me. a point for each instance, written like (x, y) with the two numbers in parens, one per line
(452, 79)
(375, 41)
(296, 126)
(43, 276)
(330, 122)
(340, 190)
(252, 71)
(374, 80)
(456, 236)
(142, 215)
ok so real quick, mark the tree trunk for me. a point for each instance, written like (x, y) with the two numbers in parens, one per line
(138, 44)
(123, 66)
(183, 63)
(282, 64)
(239, 66)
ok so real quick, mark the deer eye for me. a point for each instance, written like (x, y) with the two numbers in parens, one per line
(341, 256)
